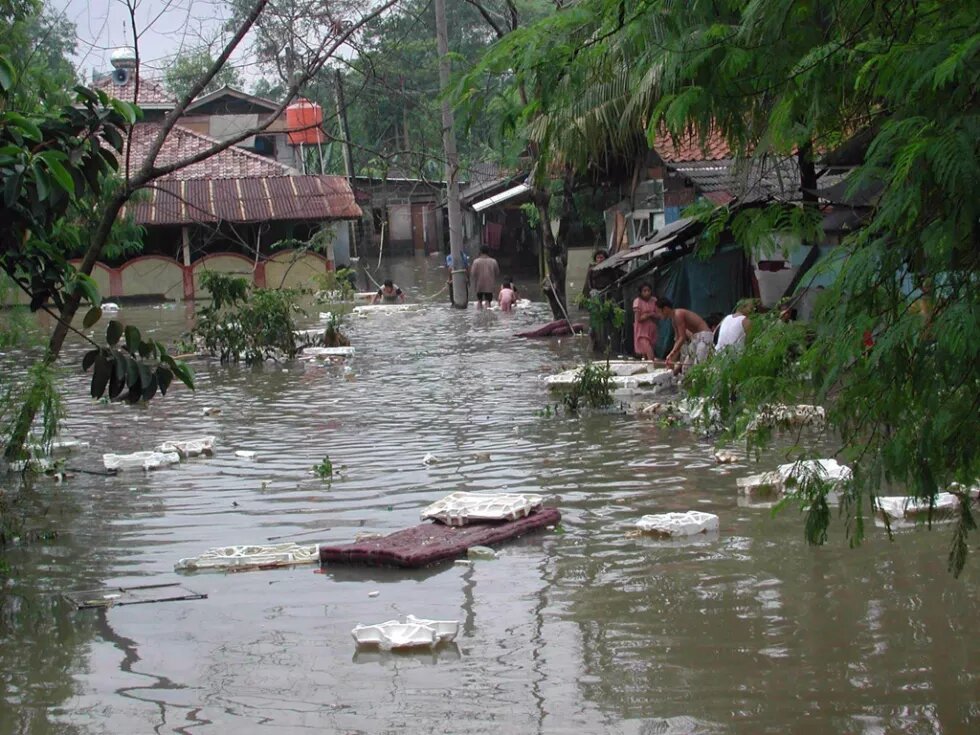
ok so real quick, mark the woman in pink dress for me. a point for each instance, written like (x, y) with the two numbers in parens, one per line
(645, 322)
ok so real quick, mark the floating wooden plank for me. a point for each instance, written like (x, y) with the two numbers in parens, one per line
(139, 595)
(429, 543)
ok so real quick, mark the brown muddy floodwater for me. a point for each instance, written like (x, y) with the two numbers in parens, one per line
(586, 631)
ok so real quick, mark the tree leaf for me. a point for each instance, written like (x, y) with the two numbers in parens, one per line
(92, 316)
(164, 378)
(116, 383)
(183, 372)
(89, 359)
(113, 331)
(150, 388)
(58, 171)
(132, 372)
(88, 288)
(146, 350)
(100, 375)
(7, 74)
(132, 339)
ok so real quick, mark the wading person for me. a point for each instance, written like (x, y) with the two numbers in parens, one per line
(389, 293)
(734, 327)
(484, 273)
(645, 322)
(507, 296)
(690, 331)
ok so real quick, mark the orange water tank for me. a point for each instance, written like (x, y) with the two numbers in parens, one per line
(304, 120)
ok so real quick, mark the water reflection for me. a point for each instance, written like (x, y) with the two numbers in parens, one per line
(582, 631)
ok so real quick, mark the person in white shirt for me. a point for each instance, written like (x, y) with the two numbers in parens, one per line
(734, 327)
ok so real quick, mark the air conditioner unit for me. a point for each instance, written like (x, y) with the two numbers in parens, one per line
(120, 76)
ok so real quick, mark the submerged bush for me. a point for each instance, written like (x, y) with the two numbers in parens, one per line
(246, 324)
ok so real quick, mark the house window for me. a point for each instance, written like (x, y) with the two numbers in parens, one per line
(265, 145)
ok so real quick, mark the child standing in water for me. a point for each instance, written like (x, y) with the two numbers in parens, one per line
(507, 296)
(645, 318)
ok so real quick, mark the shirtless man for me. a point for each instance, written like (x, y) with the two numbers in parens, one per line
(690, 330)
(389, 293)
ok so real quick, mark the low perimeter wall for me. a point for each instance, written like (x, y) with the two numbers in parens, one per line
(158, 277)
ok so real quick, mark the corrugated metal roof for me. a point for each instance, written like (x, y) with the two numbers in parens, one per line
(245, 200)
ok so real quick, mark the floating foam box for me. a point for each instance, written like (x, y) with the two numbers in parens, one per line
(626, 375)
(245, 557)
(786, 477)
(67, 446)
(366, 309)
(320, 353)
(413, 633)
(678, 525)
(139, 460)
(900, 508)
(458, 509)
(188, 447)
(782, 415)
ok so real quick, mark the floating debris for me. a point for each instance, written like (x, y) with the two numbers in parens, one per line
(458, 509)
(245, 454)
(430, 459)
(189, 447)
(725, 457)
(413, 633)
(236, 558)
(211, 411)
(484, 553)
(626, 375)
(676, 525)
(139, 461)
(140, 595)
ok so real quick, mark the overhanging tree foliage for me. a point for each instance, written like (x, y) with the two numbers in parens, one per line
(895, 342)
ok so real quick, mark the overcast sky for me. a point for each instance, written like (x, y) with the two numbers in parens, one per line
(165, 27)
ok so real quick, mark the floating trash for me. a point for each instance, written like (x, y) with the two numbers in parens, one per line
(676, 525)
(245, 454)
(458, 509)
(430, 459)
(139, 595)
(228, 558)
(139, 461)
(483, 553)
(211, 411)
(413, 633)
(189, 447)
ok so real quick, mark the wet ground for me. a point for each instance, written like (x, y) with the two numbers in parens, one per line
(583, 630)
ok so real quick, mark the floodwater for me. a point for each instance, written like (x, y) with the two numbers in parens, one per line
(580, 630)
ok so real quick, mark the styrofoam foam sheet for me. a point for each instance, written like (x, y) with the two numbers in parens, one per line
(677, 525)
(319, 353)
(630, 375)
(139, 460)
(246, 557)
(188, 447)
(905, 508)
(458, 509)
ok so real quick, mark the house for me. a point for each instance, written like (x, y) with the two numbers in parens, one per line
(240, 210)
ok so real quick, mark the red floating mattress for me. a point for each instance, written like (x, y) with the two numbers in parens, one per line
(433, 542)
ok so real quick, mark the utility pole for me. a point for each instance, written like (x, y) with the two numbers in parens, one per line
(452, 162)
(348, 156)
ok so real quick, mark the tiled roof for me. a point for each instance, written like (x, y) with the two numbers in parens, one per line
(234, 185)
(244, 200)
(151, 91)
(181, 142)
(690, 147)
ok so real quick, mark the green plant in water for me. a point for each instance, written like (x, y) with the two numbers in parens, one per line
(246, 324)
(324, 470)
(592, 387)
(335, 286)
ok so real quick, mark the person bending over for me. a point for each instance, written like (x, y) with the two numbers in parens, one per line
(389, 293)
(690, 332)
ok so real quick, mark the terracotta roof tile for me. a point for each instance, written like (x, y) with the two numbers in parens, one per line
(151, 91)
(690, 148)
(181, 142)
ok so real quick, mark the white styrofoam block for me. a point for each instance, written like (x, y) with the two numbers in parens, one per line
(139, 460)
(675, 525)
(446, 630)
(626, 376)
(393, 634)
(458, 509)
(760, 484)
(319, 353)
(903, 508)
(189, 447)
(824, 469)
(66, 446)
(245, 454)
(239, 557)
(779, 414)
(366, 309)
